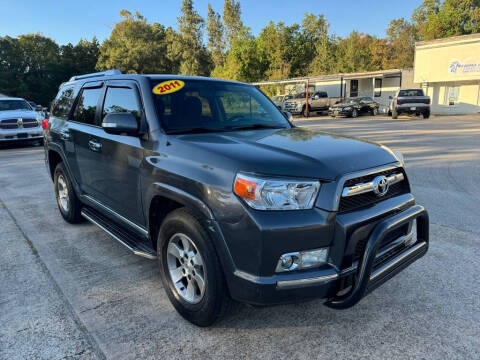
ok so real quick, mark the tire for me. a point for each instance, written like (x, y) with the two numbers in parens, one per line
(354, 113)
(201, 308)
(426, 114)
(389, 113)
(304, 111)
(394, 114)
(67, 201)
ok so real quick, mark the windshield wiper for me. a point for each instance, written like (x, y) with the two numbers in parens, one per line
(255, 126)
(196, 130)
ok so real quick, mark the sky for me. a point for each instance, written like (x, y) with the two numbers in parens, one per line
(69, 21)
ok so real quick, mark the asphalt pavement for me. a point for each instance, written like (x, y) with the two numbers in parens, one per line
(71, 291)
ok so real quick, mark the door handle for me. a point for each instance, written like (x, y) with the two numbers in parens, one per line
(65, 134)
(94, 145)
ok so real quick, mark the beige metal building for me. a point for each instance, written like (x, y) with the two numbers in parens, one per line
(449, 72)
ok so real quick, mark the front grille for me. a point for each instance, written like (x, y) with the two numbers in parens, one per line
(13, 123)
(357, 201)
(290, 106)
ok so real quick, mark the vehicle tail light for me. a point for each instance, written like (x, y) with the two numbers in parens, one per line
(398, 101)
(428, 101)
(44, 124)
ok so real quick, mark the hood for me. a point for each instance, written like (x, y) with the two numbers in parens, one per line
(14, 114)
(292, 152)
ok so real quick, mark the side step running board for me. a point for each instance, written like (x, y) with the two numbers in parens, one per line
(135, 244)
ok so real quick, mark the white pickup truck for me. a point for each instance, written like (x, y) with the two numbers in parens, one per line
(317, 101)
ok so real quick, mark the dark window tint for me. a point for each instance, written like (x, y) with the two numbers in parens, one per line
(87, 106)
(353, 88)
(378, 87)
(367, 99)
(14, 105)
(323, 94)
(413, 92)
(63, 103)
(120, 100)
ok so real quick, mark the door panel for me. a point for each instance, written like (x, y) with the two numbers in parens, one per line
(115, 174)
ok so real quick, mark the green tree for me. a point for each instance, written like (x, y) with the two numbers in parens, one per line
(232, 20)
(39, 63)
(244, 61)
(354, 53)
(195, 57)
(322, 46)
(135, 46)
(436, 19)
(79, 59)
(216, 39)
(401, 36)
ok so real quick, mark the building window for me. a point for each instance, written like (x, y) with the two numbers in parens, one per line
(353, 88)
(378, 87)
(452, 95)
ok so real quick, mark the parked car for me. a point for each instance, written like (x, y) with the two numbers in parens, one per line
(18, 121)
(234, 201)
(353, 107)
(409, 101)
(317, 102)
(279, 101)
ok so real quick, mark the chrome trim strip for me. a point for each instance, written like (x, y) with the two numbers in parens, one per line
(362, 188)
(136, 252)
(287, 284)
(120, 217)
(395, 261)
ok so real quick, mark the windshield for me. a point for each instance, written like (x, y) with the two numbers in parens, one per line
(211, 106)
(352, 101)
(14, 105)
(414, 92)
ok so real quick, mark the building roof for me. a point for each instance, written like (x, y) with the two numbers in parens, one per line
(317, 78)
(452, 39)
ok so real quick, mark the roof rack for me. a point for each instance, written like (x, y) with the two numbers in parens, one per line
(101, 73)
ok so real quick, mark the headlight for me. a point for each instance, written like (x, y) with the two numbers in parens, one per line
(399, 157)
(263, 193)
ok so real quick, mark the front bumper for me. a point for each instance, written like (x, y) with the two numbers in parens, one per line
(21, 134)
(326, 282)
(337, 112)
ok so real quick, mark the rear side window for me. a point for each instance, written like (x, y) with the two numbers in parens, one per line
(63, 103)
(87, 106)
(120, 100)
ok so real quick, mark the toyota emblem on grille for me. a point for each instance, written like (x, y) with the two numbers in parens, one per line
(380, 185)
(20, 122)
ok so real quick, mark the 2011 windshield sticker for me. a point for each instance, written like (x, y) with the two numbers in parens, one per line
(168, 87)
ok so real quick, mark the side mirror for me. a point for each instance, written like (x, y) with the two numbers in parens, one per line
(120, 123)
(390, 97)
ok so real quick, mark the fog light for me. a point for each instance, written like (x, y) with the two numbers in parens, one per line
(302, 260)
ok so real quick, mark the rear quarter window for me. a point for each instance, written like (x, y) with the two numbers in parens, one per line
(63, 103)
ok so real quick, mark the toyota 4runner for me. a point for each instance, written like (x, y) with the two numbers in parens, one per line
(212, 180)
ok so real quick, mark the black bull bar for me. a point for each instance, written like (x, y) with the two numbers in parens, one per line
(367, 278)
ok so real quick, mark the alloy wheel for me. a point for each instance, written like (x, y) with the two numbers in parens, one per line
(186, 268)
(62, 189)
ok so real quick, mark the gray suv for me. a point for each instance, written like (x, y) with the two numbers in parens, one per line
(210, 179)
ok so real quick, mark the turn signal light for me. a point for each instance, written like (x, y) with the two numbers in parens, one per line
(245, 188)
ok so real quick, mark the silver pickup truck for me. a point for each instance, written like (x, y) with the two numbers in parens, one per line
(409, 101)
(18, 121)
(317, 101)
